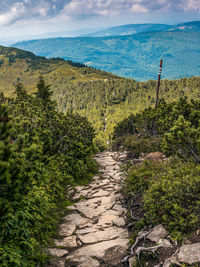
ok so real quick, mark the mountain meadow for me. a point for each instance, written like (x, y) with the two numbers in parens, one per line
(56, 114)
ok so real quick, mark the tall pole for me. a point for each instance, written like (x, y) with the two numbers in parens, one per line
(158, 84)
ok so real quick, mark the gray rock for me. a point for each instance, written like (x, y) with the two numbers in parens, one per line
(67, 242)
(98, 249)
(82, 261)
(89, 211)
(76, 219)
(189, 253)
(119, 221)
(67, 229)
(57, 252)
(106, 234)
(119, 208)
(113, 256)
(100, 193)
(158, 233)
(57, 263)
(106, 219)
(88, 230)
(165, 243)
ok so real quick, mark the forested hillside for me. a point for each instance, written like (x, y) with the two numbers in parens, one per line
(103, 98)
(133, 56)
(18, 65)
(105, 103)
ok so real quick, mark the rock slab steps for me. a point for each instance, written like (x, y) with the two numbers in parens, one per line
(94, 233)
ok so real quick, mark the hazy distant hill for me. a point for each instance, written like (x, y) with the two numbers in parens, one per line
(136, 56)
(193, 26)
(129, 29)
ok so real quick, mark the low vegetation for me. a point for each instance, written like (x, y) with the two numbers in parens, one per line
(43, 152)
(170, 189)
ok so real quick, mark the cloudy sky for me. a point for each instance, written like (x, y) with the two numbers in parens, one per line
(29, 17)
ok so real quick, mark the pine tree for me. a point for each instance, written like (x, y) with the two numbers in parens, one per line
(43, 91)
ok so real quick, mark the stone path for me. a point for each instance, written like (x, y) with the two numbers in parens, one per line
(94, 233)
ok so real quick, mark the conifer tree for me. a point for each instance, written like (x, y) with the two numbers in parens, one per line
(43, 91)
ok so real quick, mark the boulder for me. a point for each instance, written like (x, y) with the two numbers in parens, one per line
(189, 253)
(158, 233)
(113, 256)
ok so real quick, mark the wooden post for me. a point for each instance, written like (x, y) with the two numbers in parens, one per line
(158, 84)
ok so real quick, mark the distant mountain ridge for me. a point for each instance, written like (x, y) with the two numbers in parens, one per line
(134, 56)
(130, 29)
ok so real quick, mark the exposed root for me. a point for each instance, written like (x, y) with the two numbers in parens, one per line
(146, 249)
(138, 239)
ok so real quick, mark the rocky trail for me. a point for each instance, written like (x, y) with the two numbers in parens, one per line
(94, 232)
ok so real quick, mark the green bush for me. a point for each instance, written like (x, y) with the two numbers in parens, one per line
(170, 194)
(173, 198)
(137, 145)
(42, 152)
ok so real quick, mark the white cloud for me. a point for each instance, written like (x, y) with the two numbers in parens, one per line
(16, 11)
(104, 7)
(44, 10)
(191, 5)
(139, 9)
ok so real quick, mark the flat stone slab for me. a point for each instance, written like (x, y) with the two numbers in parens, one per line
(76, 219)
(106, 234)
(57, 252)
(98, 249)
(67, 229)
(107, 218)
(119, 208)
(189, 253)
(67, 242)
(88, 211)
(100, 193)
(88, 230)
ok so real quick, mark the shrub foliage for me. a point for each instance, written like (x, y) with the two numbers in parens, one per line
(42, 151)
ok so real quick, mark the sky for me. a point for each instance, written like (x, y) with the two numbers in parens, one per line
(33, 17)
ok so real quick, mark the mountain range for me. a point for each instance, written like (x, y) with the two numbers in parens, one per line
(130, 29)
(134, 56)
